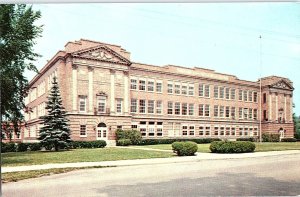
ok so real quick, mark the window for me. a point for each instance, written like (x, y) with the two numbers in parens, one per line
(216, 91)
(191, 130)
(184, 89)
(133, 84)
(159, 107)
(240, 95)
(227, 130)
(184, 130)
(245, 113)
(142, 106)
(201, 110)
(82, 130)
(159, 131)
(216, 131)
(207, 131)
(227, 112)
(170, 107)
(150, 86)
(216, 110)
(255, 97)
(240, 113)
(177, 108)
(119, 105)
(191, 109)
(142, 85)
(101, 104)
(207, 92)
(184, 109)
(191, 90)
(170, 88)
(201, 89)
(241, 131)
(133, 106)
(264, 98)
(232, 94)
(250, 113)
(227, 93)
(201, 130)
(221, 92)
(232, 131)
(232, 112)
(150, 106)
(177, 89)
(250, 96)
(245, 131)
(222, 130)
(151, 131)
(245, 95)
(82, 103)
(143, 131)
(255, 114)
(119, 127)
(134, 126)
(221, 111)
(265, 115)
(207, 112)
(158, 86)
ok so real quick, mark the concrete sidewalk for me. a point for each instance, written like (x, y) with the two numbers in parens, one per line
(198, 157)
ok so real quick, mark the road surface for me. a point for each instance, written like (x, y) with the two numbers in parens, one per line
(264, 176)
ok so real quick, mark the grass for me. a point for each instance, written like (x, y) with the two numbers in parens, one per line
(260, 147)
(17, 176)
(78, 155)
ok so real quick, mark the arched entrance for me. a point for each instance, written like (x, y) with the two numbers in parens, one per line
(281, 133)
(101, 131)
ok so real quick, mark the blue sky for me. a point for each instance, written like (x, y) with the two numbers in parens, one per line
(219, 36)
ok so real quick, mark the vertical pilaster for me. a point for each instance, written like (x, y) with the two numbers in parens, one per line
(270, 106)
(91, 82)
(276, 107)
(112, 91)
(74, 87)
(285, 112)
(291, 108)
(126, 93)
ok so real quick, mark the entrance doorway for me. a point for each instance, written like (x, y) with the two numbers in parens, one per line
(101, 131)
(281, 133)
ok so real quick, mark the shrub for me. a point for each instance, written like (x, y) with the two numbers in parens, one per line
(123, 142)
(35, 146)
(8, 147)
(87, 144)
(22, 147)
(185, 148)
(232, 147)
(170, 141)
(289, 139)
(134, 136)
(270, 137)
(250, 139)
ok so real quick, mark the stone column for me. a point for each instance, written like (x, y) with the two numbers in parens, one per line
(291, 106)
(276, 107)
(285, 112)
(74, 87)
(112, 91)
(270, 106)
(91, 83)
(126, 93)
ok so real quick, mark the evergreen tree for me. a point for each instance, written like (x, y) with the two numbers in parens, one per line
(55, 132)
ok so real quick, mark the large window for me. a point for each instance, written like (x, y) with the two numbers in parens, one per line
(82, 103)
(191, 109)
(250, 96)
(150, 86)
(191, 130)
(240, 113)
(133, 84)
(119, 105)
(207, 92)
(227, 93)
(142, 85)
(240, 95)
(207, 111)
(221, 92)
(191, 90)
(177, 108)
(177, 89)
(150, 106)
(245, 113)
(101, 104)
(158, 86)
(184, 89)
(227, 112)
(201, 110)
(133, 106)
(216, 110)
(216, 91)
(255, 114)
(255, 97)
(142, 106)
(250, 113)
(82, 130)
(184, 130)
(221, 111)
(232, 94)
(170, 107)
(232, 112)
(159, 107)
(245, 95)
(264, 98)
(184, 109)
(170, 88)
(201, 89)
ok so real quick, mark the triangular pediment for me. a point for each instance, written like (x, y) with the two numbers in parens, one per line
(102, 53)
(282, 84)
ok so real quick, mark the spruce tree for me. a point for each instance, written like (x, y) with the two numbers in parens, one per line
(55, 132)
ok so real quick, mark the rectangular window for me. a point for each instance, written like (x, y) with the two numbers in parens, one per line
(216, 111)
(207, 92)
(255, 97)
(134, 126)
(158, 86)
(227, 130)
(265, 115)
(227, 93)
(241, 131)
(82, 103)
(222, 130)
(177, 108)
(151, 106)
(216, 131)
(240, 113)
(159, 107)
(221, 92)
(264, 98)
(184, 130)
(245, 113)
(142, 106)
(101, 104)
(159, 132)
(207, 111)
(191, 90)
(227, 112)
(207, 131)
(142, 85)
(150, 86)
(170, 88)
(119, 105)
(184, 109)
(222, 111)
(133, 106)
(133, 84)
(191, 109)
(143, 131)
(184, 89)
(177, 89)
(201, 110)
(255, 114)
(250, 96)
(245, 95)
(201, 89)
(151, 131)
(201, 130)
(233, 113)
(82, 130)
(232, 131)
(232, 94)
(170, 107)
(240, 95)
(216, 91)
(191, 130)
(250, 113)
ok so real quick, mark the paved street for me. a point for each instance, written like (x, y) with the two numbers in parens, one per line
(272, 175)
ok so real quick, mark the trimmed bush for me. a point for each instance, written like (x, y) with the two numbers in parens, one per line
(134, 136)
(170, 141)
(22, 147)
(123, 142)
(8, 147)
(232, 147)
(35, 146)
(187, 148)
(270, 137)
(249, 139)
(87, 144)
(289, 139)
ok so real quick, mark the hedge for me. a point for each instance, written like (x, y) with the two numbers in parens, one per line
(19, 147)
(123, 142)
(289, 140)
(187, 148)
(270, 137)
(232, 147)
(134, 136)
(87, 144)
(249, 139)
(170, 141)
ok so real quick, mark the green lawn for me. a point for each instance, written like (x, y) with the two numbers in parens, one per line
(78, 155)
(260, 147)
